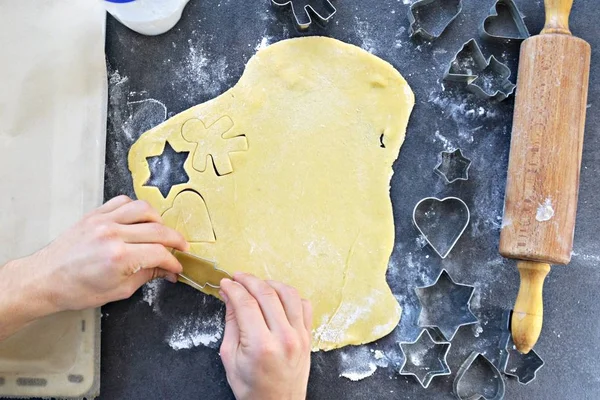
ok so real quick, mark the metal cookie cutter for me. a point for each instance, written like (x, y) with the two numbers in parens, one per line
(304, 10)
(441, 222)
(425, 358)
(505, 338)
(211, 274)
(493, 82)
(487, 78)
(504, 14)
(466, 64)
(453, 166)
(478, 378)
(522, 366)
(430, 18)
(445, 305)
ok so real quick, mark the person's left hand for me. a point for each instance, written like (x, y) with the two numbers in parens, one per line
(106, 256)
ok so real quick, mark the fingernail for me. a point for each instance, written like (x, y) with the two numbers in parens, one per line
(224, 296)
(171, 278)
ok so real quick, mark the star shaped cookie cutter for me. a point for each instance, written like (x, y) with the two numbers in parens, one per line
(453, 166)
(445, 305)
(425, 358)
(322, 13)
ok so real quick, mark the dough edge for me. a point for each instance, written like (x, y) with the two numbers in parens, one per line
(139, 167)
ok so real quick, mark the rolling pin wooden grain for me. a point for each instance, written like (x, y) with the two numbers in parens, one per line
(544, 163)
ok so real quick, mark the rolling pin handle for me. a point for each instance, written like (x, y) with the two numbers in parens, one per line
(557, 16)
(528, 315)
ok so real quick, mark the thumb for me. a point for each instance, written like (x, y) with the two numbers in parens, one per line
(231, 337)
(144, 276)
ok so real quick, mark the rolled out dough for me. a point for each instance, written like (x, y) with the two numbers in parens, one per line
(291, 167)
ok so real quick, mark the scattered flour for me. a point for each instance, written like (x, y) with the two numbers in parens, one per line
(127, 121)
(421, 241)
(379, 354)
(417, 357)
(462, 110)
(475, 303)
(264, 43)
(445, 141)
(143, 111)
(545, 212)
(202, 76)
(192, 332)
(151, 291)
(357, 363)
(586, 257)
(359, 373)
(331, 330)
(365, 34)
(398, 38)
(115, 78)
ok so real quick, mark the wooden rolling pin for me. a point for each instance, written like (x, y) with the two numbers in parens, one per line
(544, 164)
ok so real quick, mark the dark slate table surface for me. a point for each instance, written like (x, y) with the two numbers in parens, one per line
(156, 77)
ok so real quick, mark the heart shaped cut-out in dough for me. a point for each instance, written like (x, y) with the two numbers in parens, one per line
(189, 216)
(307, 201)
(441, 222)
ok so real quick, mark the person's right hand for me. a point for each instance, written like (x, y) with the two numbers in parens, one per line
(106, 256)
(267, 341)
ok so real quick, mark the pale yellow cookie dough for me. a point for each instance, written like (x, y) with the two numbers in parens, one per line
(297, 160)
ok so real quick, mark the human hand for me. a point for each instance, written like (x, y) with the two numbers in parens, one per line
(267, 341)
(106, 256)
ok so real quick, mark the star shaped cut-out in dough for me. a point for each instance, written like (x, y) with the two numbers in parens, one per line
(215, 141)
(425, 358)
(166, 170)
(453, 166)
(445, 305)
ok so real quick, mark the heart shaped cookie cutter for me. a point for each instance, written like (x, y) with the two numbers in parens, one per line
(441, 222)
(478, 378)
(505, 12)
